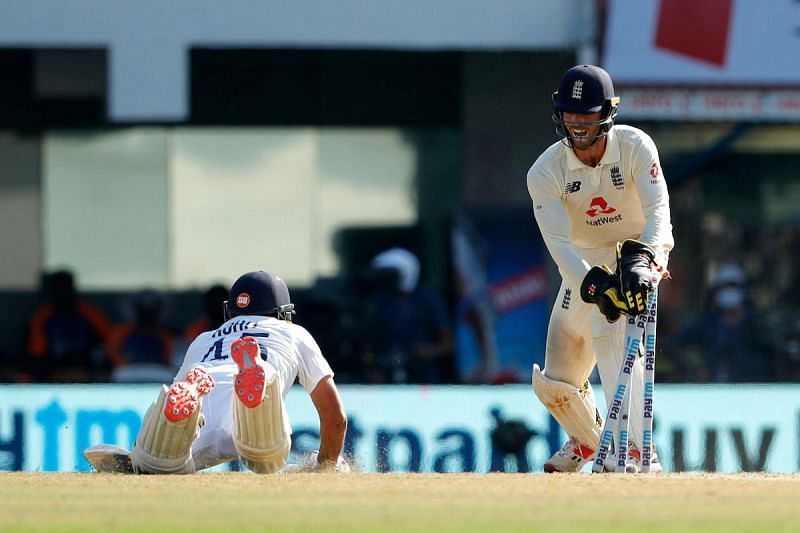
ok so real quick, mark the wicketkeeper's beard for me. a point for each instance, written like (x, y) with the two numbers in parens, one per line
(584, 142)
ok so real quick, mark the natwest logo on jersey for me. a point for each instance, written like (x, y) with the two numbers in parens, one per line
(598, 207)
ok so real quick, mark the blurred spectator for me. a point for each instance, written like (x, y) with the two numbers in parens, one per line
(726, 343)
(412, 336)
(66, 334)
(474, 300)
(334, 314)
(9, 366)
(779, 291)
(213, 302)
(141, 350)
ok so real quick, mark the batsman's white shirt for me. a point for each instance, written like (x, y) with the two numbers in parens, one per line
(288, 348)
(584, 211)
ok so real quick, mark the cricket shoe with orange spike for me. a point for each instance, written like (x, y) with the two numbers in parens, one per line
(183, 398)
(251, 381)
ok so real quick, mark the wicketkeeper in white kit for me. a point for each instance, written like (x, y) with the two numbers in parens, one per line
(227, 399)
(599, 198)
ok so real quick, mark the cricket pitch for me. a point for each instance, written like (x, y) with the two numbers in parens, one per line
(392, 502)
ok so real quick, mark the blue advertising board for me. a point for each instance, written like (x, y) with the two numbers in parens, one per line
(724, 428)
(501, 269)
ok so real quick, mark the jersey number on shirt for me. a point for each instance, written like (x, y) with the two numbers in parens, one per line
(216, 348)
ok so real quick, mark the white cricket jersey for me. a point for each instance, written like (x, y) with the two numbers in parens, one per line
(583, 210)
(287, 347)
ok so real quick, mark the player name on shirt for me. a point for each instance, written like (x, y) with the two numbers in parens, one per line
(239, 325)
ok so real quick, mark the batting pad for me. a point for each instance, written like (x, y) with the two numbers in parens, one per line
(574, 408)
(164, 447)
(261, 434)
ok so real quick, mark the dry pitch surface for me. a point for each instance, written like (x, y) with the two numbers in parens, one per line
(395, 502)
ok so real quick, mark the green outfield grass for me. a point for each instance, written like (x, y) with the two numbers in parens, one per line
(394, 502)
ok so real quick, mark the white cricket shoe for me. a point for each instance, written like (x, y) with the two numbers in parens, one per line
(635, 457)
(570, 458)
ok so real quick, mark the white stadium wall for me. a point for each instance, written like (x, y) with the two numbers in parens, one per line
(149, 41)
(725, 428)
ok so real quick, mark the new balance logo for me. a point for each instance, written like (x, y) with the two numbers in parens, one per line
(567, 298)
(573, 186)
(577, 90)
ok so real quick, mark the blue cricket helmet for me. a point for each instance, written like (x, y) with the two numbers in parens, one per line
(585, 89)
(260, 293)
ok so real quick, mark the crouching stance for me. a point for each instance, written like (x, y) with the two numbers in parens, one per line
(227, 400)
(600, 185)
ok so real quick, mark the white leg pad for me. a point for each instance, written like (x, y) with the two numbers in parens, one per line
(261, 434)
(164, 447)
(573, 408)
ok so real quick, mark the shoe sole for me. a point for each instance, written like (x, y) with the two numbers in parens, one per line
(550, 469)
(183, 398)
(250, 382)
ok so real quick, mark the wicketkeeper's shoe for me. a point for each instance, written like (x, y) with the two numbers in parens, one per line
(635, 458)
(570, 458)
(250, 383)
(183, 398)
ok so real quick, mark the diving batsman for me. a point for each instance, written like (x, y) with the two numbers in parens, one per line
(227, 400)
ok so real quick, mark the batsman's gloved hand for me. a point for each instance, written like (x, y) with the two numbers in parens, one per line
(600, 286)
(635, 262)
